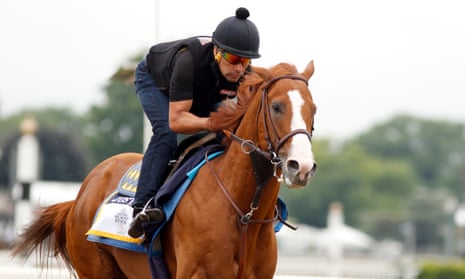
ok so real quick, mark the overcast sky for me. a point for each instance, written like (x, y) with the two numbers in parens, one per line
(373, 59)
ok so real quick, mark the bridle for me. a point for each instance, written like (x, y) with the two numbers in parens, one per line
(273, 148)
(265, 165)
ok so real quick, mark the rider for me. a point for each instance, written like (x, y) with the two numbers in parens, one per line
(178, 84)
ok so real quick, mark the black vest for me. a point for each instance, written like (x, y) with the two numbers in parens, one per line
(209, 87)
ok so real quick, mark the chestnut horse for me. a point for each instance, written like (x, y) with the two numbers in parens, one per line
(223, 225)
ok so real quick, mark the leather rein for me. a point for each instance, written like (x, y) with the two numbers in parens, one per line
(265, 165)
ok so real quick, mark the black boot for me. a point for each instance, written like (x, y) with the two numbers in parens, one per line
(143, 216)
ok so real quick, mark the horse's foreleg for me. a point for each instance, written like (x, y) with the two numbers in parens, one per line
(262, 255)
(195, 259)
(203, 272)
(203, 262)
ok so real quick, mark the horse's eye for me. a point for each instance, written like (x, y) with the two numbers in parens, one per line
(276, 107)
(251, 89)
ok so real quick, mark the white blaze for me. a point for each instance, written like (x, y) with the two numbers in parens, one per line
(301, 147)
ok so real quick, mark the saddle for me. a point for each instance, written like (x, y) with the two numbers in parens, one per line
(188, 146)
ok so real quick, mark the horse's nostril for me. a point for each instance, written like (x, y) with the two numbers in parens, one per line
(313, 170)
(293, 165)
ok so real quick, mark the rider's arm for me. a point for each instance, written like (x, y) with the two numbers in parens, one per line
(181, 95)
(182, 121)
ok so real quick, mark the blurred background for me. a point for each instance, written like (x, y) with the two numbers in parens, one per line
(389, 195)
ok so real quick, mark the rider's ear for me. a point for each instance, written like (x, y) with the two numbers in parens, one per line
(217, 55)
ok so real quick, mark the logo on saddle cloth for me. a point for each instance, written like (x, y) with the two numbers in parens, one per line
(112, 219)
(128, 183)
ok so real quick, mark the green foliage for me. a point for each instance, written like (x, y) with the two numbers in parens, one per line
(442, 271)
(374, 192)
(435, 149)
(116, 126)
(429, 227)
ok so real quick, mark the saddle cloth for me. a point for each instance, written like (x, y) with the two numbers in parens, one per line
(114, 216)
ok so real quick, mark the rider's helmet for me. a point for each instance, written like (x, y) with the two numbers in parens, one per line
(238, 35)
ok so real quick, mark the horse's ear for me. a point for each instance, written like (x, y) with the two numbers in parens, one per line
(309, 70)
(262, 72)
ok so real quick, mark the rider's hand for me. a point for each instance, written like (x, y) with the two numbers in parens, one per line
(225, 117)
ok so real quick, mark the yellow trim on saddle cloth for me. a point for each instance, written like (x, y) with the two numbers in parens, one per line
(114, 236)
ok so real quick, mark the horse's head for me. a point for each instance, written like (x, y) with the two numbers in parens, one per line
(275, 111)
(285, 118)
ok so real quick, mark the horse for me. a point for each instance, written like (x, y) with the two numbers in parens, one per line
(223, 225)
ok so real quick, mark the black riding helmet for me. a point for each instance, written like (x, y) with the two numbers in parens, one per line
(238, 35)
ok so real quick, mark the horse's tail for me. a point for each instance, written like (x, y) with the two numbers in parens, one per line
(46, 235)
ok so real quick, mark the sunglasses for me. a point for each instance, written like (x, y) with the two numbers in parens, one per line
(234, 59)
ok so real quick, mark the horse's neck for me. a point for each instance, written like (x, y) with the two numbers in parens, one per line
(237, 169)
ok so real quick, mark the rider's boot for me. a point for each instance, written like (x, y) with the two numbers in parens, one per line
(142, 216)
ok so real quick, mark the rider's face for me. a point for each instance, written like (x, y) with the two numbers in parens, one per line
(232, 67)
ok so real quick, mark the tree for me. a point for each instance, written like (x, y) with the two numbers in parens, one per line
(435, 149)
(375, 192)
(116, 126)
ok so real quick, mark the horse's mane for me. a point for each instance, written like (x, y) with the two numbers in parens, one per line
(229, 113)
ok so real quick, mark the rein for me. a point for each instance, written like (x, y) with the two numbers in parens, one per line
(261, 163)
